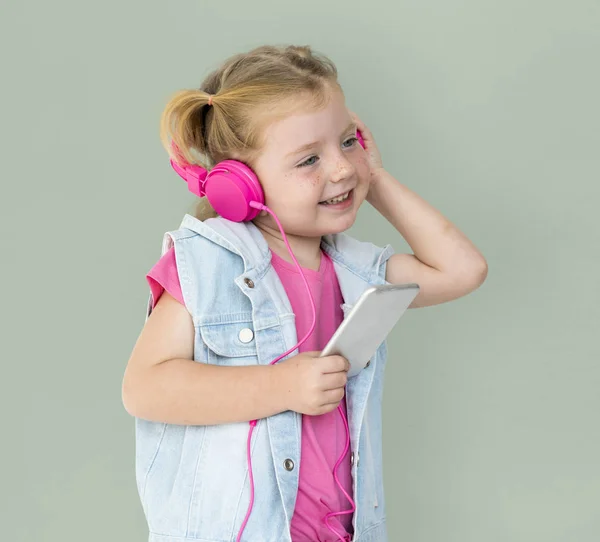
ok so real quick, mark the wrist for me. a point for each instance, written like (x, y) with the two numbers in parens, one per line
(376, 185)
(280, 386)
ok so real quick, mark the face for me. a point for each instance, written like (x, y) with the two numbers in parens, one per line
(308, 158)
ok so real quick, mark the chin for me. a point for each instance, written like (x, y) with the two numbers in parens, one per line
(320, 229)
(343, 222)
(341, 225)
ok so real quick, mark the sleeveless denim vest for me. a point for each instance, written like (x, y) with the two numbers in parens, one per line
(193, 480)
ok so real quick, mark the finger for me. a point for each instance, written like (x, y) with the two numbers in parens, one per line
(341, 365)
(330, 407)
(346, 365)
(333, 364)
(325, 409)
(333, 397)
(335, 381)
(359, 123)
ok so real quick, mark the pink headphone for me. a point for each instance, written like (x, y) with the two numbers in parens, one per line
(235, 193)
(232, 188)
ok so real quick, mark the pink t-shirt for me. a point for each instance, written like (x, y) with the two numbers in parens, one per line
(324, 436)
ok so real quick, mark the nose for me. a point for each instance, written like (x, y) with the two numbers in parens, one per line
(342, 169)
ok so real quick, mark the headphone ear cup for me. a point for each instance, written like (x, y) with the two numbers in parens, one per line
(230, 187)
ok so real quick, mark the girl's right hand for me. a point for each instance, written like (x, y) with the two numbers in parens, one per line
(313, 385)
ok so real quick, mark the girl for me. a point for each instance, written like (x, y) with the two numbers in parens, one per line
(226, 303)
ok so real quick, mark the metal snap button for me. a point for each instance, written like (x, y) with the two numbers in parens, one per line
(352, 458)
(249, 282)
(246, 335)
(288, 464)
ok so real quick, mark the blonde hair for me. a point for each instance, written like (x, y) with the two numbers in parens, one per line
(248, 91)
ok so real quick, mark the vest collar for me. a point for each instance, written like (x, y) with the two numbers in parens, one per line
(355, 271)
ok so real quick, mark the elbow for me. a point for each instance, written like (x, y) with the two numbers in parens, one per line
(468, 277)
(483, 271)
(476, 275)
(480, 271)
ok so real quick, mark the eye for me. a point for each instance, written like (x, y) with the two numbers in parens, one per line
(352, 140)
(308, 161)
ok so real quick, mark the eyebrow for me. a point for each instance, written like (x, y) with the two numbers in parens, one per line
(315, 143)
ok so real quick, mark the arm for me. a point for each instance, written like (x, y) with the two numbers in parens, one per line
(163, 383)
(445, 264)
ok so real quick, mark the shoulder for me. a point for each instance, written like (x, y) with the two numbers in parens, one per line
(166, 266)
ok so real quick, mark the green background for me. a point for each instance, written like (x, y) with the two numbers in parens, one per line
(488, 109)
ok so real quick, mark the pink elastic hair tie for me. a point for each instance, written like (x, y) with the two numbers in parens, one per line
(210, 97)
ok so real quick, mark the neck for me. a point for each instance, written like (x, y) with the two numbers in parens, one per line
(307, 250)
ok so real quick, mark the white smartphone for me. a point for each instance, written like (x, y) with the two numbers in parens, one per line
(368, 323)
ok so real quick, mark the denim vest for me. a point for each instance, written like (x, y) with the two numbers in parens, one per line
(193, 480)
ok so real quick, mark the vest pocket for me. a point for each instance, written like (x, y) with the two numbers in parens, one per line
(230, 343)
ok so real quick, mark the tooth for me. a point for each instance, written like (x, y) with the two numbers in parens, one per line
(339, 199)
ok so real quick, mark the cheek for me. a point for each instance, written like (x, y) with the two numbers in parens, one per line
(363, 169)
(298, 188)
(295, 184)
(303, 180)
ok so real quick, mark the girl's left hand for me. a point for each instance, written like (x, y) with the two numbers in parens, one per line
(375, 162)
(370, 146)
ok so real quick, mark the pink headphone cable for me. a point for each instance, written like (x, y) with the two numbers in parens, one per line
(262, 207)
(351, 510)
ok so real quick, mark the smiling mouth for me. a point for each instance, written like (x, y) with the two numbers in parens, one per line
(338, 199)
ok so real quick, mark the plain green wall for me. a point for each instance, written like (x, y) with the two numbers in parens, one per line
(488, 109)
